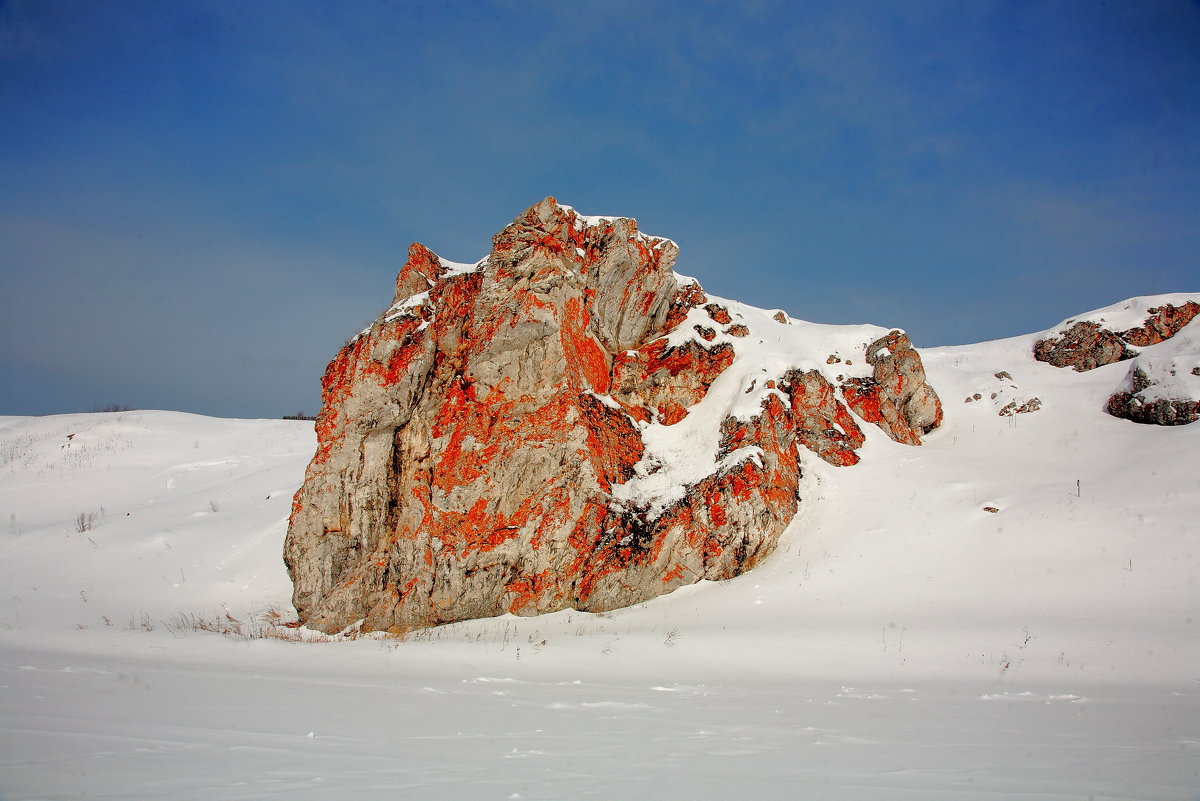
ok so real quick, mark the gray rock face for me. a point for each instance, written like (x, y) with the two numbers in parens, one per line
(1084, 346)
(1136, 407)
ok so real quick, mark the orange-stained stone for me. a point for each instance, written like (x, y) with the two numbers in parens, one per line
(471, 441)
(590, 362)
(686, 298)
(1162, 323)
(718, 313)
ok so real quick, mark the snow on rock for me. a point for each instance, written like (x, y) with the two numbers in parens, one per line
(1160, 386)
(568, 423)
(1114, 333)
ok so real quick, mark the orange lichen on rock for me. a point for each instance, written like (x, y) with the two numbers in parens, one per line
(718, 313)
(686, 298)
(667, 380)
(670, 413)
(674, 574)
(823, 423)
(865, 397)
(526, 590)
(589, 361)
(419, 273)
(614, 443)
(897, 397)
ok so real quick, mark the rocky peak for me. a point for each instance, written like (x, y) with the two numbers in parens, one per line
(568, 423)
(624, 275)
(419, 273)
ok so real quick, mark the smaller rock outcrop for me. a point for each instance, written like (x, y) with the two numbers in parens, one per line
(823, 423)
(896, 397)
(1087, 344)
(1012, 407)
(1135, 404)
(1084, 346)
(1162, 323)
(1160, 387)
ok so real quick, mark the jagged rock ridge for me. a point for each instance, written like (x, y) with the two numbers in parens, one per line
(569, 423)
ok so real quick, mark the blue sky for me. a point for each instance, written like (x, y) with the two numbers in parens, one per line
(199, 202)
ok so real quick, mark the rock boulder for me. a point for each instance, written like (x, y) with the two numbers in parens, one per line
(562, 425)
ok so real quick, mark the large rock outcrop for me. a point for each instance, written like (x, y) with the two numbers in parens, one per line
(568, 423)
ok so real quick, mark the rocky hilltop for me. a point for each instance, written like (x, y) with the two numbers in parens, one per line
(568, 423)
(1159, 339)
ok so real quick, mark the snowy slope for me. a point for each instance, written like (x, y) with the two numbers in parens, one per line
(184, 513)
(902, 643)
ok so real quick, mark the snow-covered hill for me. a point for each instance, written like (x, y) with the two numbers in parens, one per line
(1009, 610)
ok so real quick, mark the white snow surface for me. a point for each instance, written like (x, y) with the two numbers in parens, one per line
(901, 643)
(453, 268)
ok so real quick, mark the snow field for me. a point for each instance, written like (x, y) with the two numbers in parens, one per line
(902, 642)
